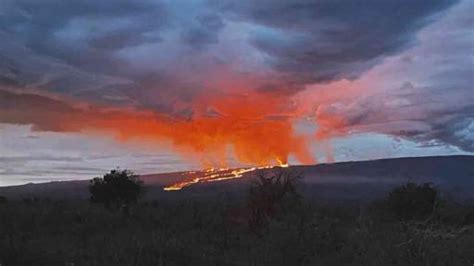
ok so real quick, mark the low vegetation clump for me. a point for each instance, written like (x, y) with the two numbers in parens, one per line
(413, 201)
(116, 189)
(269, 196)
(273, 225)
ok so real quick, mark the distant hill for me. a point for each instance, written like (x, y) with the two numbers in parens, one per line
(359, 181)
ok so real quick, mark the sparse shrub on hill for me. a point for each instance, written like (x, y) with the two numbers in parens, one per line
(116, 189)
(453, 213)
(270, 195)
(413, 201)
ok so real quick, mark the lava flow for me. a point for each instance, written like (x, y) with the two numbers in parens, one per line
(213, 175)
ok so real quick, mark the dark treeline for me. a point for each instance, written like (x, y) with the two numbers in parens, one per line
(272, 225)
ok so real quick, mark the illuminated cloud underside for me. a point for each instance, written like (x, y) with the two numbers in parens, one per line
(210, 79)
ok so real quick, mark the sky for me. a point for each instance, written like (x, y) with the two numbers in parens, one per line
(160, 86)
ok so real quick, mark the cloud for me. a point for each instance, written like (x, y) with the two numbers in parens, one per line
(204, 32)
(300, 42)
(226, 69)
(14, 159)
(251, 131)
(320, 41)
(23, 69)
(424, 93)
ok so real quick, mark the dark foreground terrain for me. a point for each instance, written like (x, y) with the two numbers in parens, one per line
(251, 224)
(225, 232)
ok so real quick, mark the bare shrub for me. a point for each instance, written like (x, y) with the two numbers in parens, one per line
(269, 194)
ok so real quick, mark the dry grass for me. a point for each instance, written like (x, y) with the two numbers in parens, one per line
(202, 233)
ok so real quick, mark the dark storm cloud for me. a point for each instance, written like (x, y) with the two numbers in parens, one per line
(82, 33)
(457, 130)
(149, 53)
(434, 106)
(22, 68)
(117, 40)
(318, 41)
(72, 48)
(305, 41)
(204, 32)
(36, 22)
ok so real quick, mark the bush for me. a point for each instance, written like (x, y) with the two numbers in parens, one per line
(194, 231)
(268, 195)
(412, 201)
(117, 188)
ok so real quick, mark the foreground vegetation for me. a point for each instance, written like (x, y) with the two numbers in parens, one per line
(273, 225)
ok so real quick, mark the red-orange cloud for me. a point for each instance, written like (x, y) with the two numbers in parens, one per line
(256, 126)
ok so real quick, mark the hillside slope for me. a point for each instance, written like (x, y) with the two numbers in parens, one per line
(453, 175)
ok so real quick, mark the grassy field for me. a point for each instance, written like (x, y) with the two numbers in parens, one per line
(220, 232)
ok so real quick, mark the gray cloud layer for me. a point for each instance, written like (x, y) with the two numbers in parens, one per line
(317, 41)
(425, 93)
(159, 54)
(302, 41)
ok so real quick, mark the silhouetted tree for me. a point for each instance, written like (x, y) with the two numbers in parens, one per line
(117, 188)
(267, 195)
(412, 201)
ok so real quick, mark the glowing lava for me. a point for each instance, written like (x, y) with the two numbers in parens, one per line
(213, 175)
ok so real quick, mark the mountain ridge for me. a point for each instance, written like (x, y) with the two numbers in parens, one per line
(454, 174)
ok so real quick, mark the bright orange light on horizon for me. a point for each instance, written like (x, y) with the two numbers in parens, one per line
(213, 175)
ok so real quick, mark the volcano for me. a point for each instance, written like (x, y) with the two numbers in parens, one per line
(345, 181)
